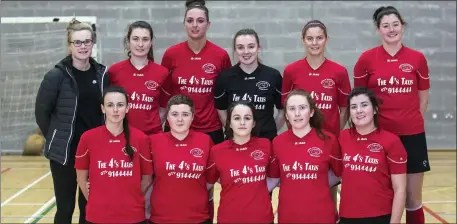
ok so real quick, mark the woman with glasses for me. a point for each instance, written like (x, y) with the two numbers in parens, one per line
(67, 105)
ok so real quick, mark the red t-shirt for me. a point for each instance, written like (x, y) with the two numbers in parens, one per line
(328, 85)
(242, 170)
(194, 75)
(115, 181)
(179, 188)
(144, 90)
(368, 161)
(302, 164)
(396, 80)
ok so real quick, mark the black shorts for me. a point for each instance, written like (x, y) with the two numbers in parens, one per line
(217, 136)
(384, 219)
(416, 148)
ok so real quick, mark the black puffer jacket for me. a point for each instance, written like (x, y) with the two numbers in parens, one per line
(55, 107)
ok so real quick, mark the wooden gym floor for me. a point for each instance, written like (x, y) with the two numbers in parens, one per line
(27, 193)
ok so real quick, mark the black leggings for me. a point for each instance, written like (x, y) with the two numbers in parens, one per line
(65, 186)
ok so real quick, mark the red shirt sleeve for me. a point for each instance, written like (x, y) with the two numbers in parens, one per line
(82, 157)
(396, 156)
(166, 88)
(145, 156)
(286, 84)
(112, 75)
(226, 63)
(212, 174)
(361, 75)
(273, 168)
(422, 71)
(344, 88)
(336, 160)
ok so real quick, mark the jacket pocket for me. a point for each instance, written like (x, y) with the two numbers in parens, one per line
(52, 139)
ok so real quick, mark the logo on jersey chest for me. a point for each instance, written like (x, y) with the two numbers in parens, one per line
(138, 75)
(374, 147)
(262, 85)
(196, 152)
(151, 85)
(328, 83)
(405, 67)
(257, 155)
(315, 152)
(209, 68)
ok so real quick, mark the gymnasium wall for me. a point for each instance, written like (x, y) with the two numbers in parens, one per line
(431, 29)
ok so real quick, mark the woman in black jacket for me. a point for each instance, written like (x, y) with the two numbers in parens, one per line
(67, 105)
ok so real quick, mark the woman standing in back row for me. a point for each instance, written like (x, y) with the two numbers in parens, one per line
(194, 66)
(399, 76)
(252, 81)
(326, 81)
(142, 79)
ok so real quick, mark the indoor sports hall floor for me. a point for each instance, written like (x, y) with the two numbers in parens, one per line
(27, 193)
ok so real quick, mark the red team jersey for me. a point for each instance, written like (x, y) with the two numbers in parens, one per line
(179, 188)
(194, 75)
(396, 81)
(144, 90)
(115, 181)
(368, 161)
(328, 85)
(302, 164)
(242, 170)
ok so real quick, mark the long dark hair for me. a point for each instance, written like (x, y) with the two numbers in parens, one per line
(131, 27)
(125, 123)
(317, 120)
(229, 130)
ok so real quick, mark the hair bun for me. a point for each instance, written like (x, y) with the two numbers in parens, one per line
(195, 2)
(73, 22)
(376, 13)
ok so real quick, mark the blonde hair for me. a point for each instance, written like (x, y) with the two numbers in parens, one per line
(76, 25)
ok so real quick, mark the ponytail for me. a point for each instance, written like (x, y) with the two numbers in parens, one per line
(128, 147)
